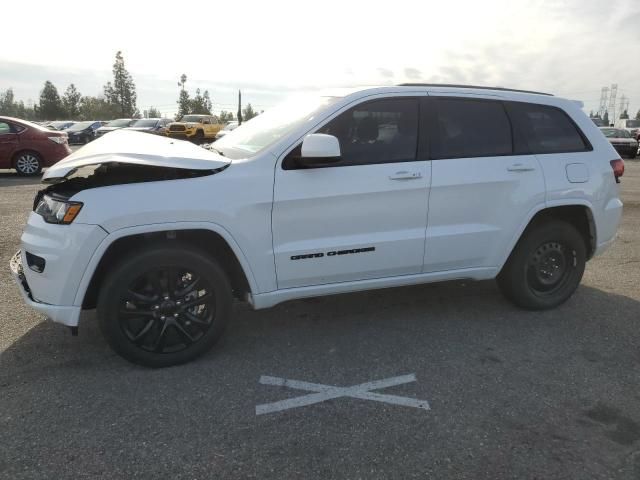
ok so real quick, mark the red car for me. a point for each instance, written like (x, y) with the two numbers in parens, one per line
(28, 147)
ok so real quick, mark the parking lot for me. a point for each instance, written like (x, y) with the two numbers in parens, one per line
(510, 393)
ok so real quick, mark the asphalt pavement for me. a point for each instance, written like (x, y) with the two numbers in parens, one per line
(504, 393)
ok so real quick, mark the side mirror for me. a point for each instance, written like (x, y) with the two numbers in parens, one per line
(319, 149)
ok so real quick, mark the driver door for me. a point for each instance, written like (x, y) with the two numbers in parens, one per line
(363, 217)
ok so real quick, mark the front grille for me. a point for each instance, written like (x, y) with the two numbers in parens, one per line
(177, 128)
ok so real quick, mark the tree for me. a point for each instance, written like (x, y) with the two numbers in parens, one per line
(153, 112)
(638, 115)
(122, 92)
(71, 102)
(624, 115)
(605, 118)
(248, 113)
(92, 108)
(50, 107)
(591, 115)
(208, 104)
(184, 103)
(7, 103)
(225, 117)
(200, 104)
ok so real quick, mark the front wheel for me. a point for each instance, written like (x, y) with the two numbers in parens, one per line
(164, 306)
(546, 266)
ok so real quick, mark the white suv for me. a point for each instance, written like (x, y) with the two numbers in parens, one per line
(355, 190)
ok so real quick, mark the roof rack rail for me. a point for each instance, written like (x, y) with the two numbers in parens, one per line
(479, 87)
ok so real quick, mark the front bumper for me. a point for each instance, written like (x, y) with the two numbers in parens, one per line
(66, 251)
(67, 315)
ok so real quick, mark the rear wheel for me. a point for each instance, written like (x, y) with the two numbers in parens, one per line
(164, 306)
(28, 163)
(546, 266)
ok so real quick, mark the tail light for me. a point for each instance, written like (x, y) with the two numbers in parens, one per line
(60, 140)
(618, 168)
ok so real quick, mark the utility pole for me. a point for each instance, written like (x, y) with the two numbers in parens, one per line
(604, 95)
(239, 107)
(612, 102)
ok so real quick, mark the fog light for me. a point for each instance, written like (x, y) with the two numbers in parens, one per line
(35, 262)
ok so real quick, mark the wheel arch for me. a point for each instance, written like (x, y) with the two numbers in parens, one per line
(16, 154)
(577, 213)
(216, 242)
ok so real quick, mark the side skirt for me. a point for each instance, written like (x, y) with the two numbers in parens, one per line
(269, 299)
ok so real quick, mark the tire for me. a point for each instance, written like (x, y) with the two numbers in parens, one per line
(28, 163)
(632, 155)
(155, 323)
(546, 266)
(198, 138)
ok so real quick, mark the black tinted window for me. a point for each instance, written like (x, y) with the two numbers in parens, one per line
(380, 131)
(471, 128)
(546, 129)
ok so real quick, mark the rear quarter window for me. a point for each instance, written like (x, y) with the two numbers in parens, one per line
(546, 129)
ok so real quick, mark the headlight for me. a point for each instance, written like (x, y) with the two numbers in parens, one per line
(190, 126)
(58, 211)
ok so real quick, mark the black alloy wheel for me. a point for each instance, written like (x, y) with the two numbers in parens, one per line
(164, 305)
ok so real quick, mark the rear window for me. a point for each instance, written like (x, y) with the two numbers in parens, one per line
(546, 129)
(471, 128)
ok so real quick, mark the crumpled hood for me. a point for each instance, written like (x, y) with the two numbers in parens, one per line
(136, 148)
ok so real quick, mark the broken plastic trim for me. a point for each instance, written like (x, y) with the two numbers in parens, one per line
(114, 173)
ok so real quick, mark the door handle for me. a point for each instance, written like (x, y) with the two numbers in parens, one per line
(404, 175)
(519, 167)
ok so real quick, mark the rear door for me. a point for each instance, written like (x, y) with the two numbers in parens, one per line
(363, 217)
(8, 143)
(484, 184)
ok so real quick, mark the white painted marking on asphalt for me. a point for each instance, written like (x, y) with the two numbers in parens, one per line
(323, 393)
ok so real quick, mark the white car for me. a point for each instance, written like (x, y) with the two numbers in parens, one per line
(355, 190)
(229, 127)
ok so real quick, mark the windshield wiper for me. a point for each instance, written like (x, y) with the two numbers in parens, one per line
(219, 152)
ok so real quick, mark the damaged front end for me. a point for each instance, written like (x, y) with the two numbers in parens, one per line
(115, 173)
(123, 157)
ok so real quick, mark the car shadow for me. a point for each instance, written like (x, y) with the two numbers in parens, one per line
(451, 313)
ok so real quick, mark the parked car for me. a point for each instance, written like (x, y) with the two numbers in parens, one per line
(83, 132)
(114, 125)
(625, 144)
(28, 147)
(61, 125)
(197, 128)
(307, 199)
(628, 124)
(151, 125)
(229, 127)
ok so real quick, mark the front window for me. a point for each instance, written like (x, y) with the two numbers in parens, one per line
(145, 123)
(270, 126)
(632, 123)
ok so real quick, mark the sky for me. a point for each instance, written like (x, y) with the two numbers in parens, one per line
(272, 48)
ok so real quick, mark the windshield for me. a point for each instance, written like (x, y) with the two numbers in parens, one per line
(615, 133)
(270, 126)
(121, 122)
(145, 122)
(192, 118)
(632, 123)
(79, 126)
